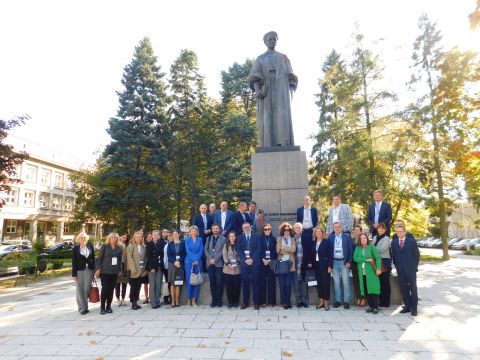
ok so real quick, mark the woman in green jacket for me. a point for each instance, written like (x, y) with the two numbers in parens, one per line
(369, 264)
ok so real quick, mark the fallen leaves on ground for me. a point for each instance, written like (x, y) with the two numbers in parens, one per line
(89, 333)
(201, 346)
(227, 342)
(240, 349)
(93, 342)
(287, 353)
(80, 334)
(220, 334)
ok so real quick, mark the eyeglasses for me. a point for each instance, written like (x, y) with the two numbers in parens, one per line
(267, 229)
(287, 229)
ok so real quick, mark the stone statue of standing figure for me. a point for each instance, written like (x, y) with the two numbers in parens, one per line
(272, 79)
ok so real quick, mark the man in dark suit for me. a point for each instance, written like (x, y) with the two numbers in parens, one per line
(214, 259)
(379, 212)
(240, 217)
(224, 217)
(203, 222)
(308, 217)
(211, 212)
(249, 252)
(406, 256)
(342, 246)
(252, 211)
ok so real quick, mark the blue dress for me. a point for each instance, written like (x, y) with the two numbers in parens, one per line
(194, 253)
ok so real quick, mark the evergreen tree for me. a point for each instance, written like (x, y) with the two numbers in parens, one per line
(132, 181)
(8, 157)
(236, 137)
(191, 123)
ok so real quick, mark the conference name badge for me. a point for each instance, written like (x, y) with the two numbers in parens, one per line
(233, 262)
(177, 258)
(312, 283)
(267, 254)
(178, 282)
(141, 263)
(247, 254)
(114, 261)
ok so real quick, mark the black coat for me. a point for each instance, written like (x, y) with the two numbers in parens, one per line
(79, 262)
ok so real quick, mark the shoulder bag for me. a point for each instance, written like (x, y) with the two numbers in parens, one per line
(94, 294)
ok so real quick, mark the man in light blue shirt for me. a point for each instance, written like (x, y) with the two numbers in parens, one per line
(342, 246)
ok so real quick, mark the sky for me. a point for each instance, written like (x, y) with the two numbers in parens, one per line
(62, 61)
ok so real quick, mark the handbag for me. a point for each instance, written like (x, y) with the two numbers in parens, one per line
(196, 279)
(179, 277)
(280, 267)
(165, 287)
(94, 294)
(383, 268)
(310, 278)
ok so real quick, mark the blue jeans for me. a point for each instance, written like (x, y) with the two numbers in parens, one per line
(341, 273)
(285, 282)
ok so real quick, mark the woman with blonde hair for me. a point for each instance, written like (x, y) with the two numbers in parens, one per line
(193, 263)
(136, 266)
(108, 267)
(83, 264)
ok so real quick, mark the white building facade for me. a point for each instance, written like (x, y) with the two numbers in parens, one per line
(41, 206)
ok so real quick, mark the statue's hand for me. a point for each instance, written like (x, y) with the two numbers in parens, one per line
(260, 94)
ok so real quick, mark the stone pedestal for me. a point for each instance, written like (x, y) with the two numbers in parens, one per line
(279, 183)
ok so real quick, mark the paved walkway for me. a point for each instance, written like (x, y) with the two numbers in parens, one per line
(40, 322)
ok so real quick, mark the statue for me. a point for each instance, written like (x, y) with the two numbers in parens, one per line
(273, 81)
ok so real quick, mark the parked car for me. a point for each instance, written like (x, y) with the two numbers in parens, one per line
(462, 244)
(64, 245)
(8, 249)
(474, 242)
(422, 242)
(429, 241)
(453, 241)
(437, 244)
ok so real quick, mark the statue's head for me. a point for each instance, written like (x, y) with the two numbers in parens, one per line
(270, 39)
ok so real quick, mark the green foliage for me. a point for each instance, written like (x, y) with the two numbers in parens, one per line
(9, 158)
(445, 116)
(25, 261)
(127, 185)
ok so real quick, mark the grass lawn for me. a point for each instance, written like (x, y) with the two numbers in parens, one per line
(67, 270)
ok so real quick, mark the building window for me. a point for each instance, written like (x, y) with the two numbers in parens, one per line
(68, 203)
(31, 174)
(44, 200)
(12, 197)
(59, 181)
(54, 228)
(57, 202)
(11, 226)
(29, 198)
(66, 227)
(46, 177)
(69, 183)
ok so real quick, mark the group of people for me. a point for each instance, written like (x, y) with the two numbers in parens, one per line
(243, 257)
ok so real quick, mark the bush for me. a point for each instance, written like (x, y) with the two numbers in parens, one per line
(62, 254)
(473, 252)
(26, 262)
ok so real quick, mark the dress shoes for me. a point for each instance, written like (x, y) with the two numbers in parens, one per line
(256, 307)
(102, 312)
(336, 304)
(109, 311)
(243, 307)
(404, 311)
(299, 305)
(346, 306)
(305, 305)
(414, 313)
(375, 311)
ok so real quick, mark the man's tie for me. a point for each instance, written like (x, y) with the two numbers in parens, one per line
(402, 243)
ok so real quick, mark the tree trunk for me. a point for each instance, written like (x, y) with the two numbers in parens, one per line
(366, 107)
(440, 192)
